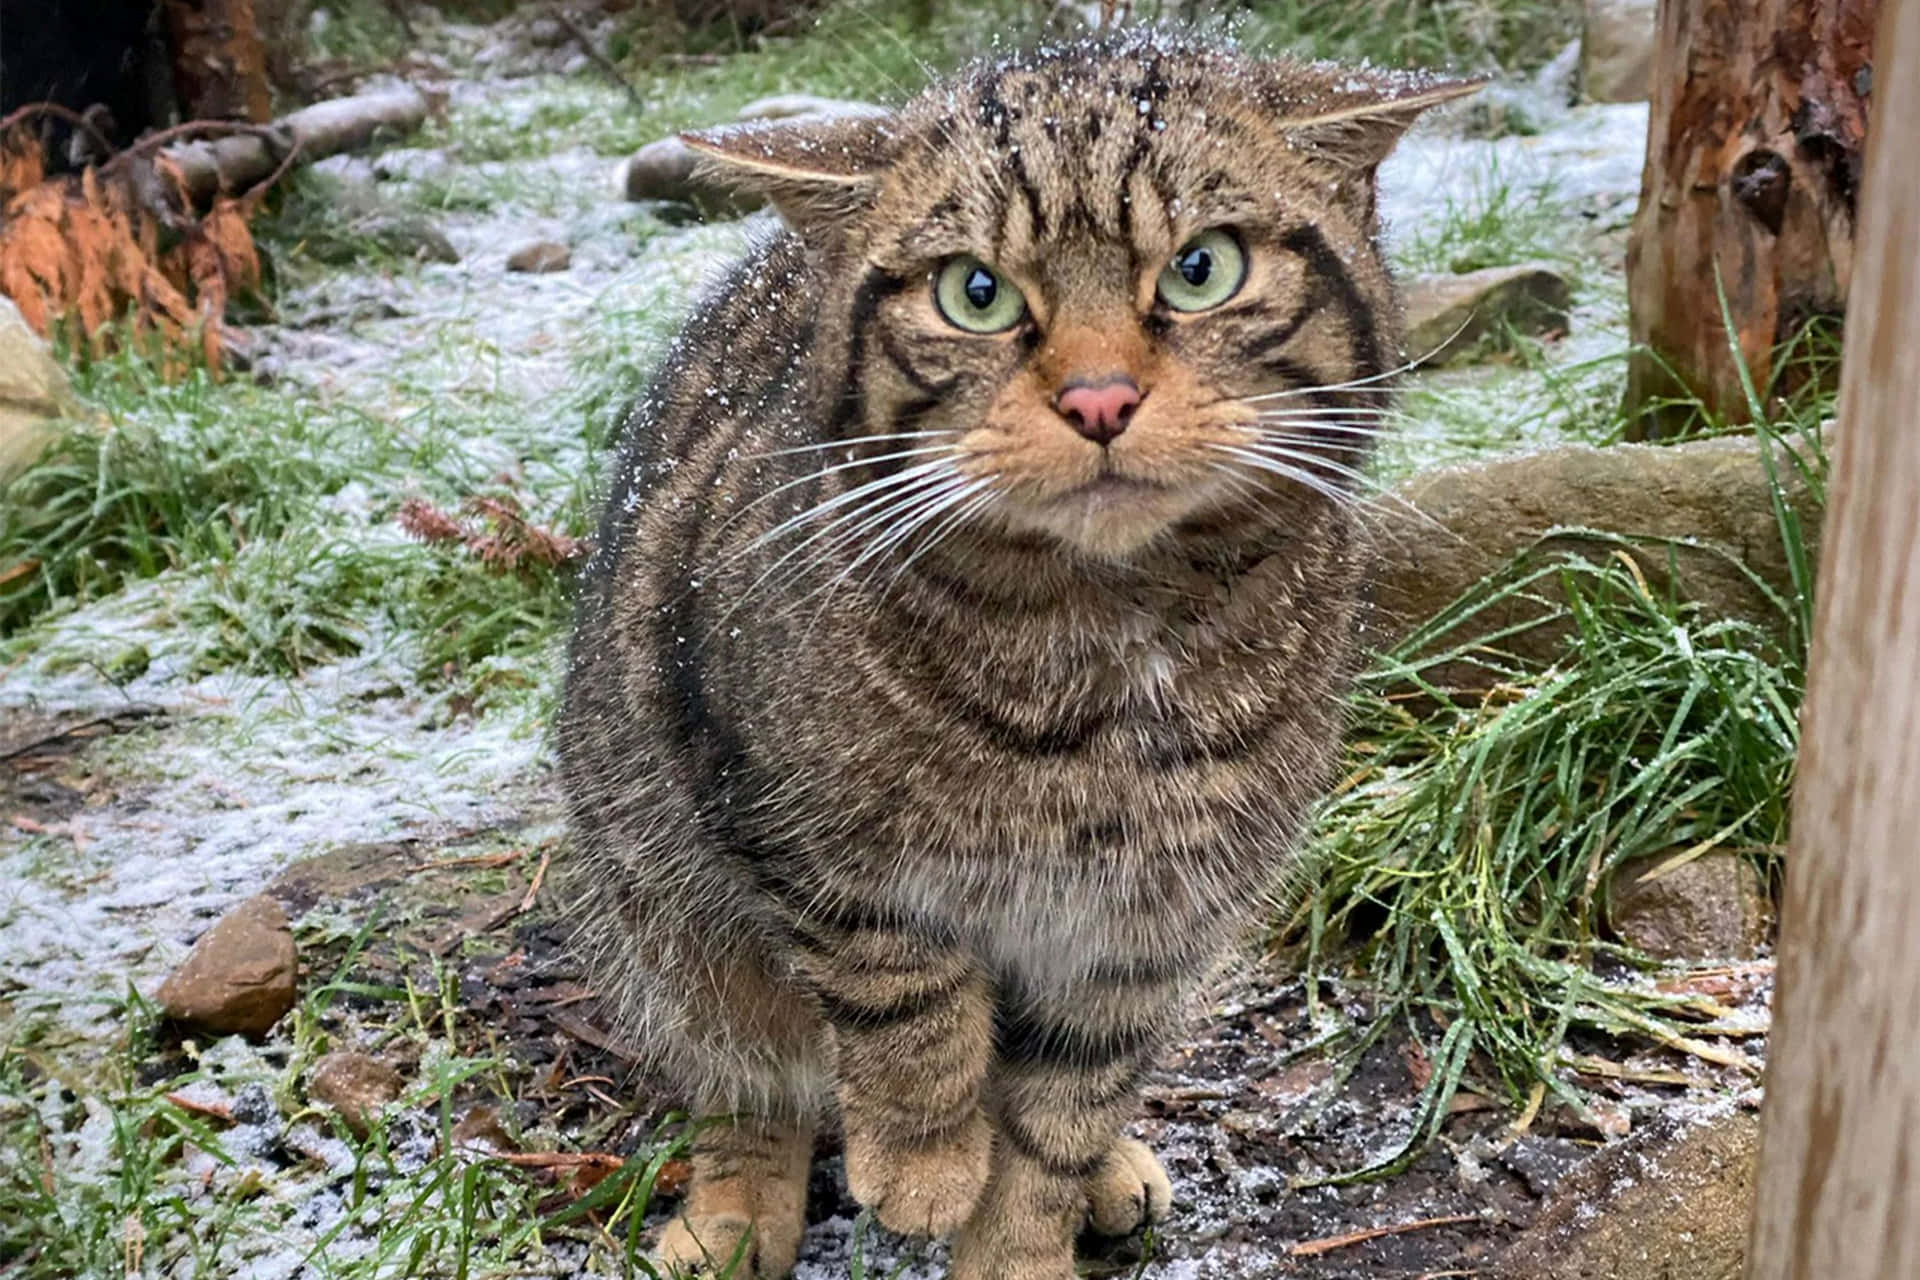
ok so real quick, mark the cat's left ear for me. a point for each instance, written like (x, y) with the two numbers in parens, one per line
(1352, 119)
(816, 170)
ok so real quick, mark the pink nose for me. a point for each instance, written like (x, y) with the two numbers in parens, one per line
(1099, 408)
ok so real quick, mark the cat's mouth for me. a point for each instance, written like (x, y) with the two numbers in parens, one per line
(1109, 484)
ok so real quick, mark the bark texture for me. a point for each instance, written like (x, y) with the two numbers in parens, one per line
(232, 164)
(219, 60)
(1839, 1192)
(1754, 151)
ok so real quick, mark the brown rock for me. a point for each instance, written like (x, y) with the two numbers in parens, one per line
(34, 393)
(481, 1127)
(540, 257)
(1712, 908)
(1454, 525)
(356, 1086)
(240, 975)
(669, 170)
(1449, 315)
(1669, 1203)
(1617, 47)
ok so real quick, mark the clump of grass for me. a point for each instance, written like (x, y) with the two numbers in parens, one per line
(1468, 849)
(1466, 35)
(183, 472)
(1500, 222)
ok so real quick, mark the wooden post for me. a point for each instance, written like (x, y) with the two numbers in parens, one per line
(1839, 1192)
(1754, 146)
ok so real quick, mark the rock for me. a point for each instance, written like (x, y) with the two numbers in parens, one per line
(481, 1128)
(1617, 46)
(1449, 315)
(1712, 908)
(356, 1086)
(782, 106)
(1669, 1203)
(240, 975)
(1445, 529)
(540, 257)
(667, 170)
(34, 393)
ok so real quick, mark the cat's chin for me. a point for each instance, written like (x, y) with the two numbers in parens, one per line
(1109, 519)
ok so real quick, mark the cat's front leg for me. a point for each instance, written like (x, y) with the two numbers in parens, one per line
(911, 1022)
(1065, 1080)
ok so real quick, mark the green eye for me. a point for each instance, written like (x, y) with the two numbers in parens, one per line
(1208, 269)
(975, 297)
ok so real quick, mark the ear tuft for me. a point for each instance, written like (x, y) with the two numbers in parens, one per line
(1353, 118)
(813, 169)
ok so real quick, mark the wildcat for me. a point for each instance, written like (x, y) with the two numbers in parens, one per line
(964, 643)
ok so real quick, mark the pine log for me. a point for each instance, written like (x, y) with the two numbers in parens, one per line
(1754, 151)
(1839, 1186)
(231, 164)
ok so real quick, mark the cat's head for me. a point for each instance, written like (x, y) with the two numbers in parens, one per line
(1104, 290)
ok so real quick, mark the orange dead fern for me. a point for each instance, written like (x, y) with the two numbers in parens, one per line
(496, 532)
(124, 241)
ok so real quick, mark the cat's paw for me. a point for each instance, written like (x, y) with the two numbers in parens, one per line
(921, 1191)
(705, 1245)
(1129, 1191)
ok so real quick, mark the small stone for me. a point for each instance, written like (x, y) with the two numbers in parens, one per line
(1712, 908)
(1448, 315)
(481, 1128)
(540, 257)
(240, 976)
(356, 1086)
(1617, 46)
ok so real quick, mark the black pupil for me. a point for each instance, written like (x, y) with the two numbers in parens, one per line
(981, 288)
(1195, 265)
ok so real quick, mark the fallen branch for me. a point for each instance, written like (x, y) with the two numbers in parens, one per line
(586, 1033)
(1314, 1248)
(234, 163)
(220, 1111)
(606, 65)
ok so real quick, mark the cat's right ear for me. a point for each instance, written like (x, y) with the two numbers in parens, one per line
(817, 171)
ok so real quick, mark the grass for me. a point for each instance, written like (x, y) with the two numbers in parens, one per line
(123, 1173)
(183, 472)
(1501, 221)
(1463, 863)
(1461, 35)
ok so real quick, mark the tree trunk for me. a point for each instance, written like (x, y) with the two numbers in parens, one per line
(219, 60)
(1839, 1192)
(1754, 148)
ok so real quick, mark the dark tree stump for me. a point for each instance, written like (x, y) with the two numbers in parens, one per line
(219, 60)
(1754, 153)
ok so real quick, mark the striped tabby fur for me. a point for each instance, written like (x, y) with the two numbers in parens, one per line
(922, 750)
